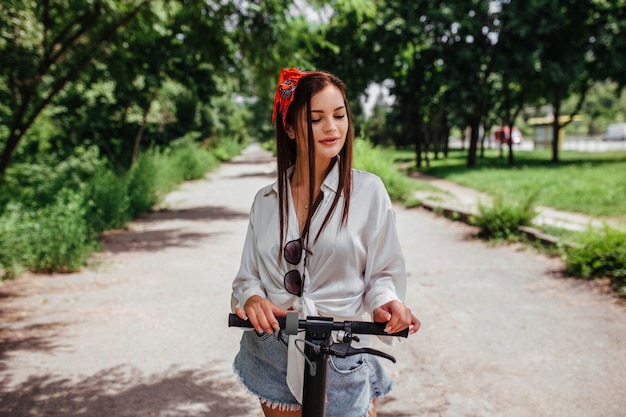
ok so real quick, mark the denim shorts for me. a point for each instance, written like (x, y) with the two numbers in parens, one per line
(352, 382)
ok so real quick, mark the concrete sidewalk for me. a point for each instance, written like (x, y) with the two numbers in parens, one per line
(455, 197)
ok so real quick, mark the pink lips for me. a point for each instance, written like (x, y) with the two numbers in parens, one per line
(329, 141)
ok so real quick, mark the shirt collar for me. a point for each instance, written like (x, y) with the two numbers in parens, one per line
(331, 182)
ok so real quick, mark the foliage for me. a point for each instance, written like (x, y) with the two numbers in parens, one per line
(603, 105)
(159, 172)
(369, 158)
(225, 150)
(52, 238)
(129, 75)
(598, 254)
(473, 63)
(57, 231)
(37, 184)
(107, 201)
(502, 219)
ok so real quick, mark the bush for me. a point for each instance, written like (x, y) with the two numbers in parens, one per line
(192, 162)
(52, 238)
(51, 226)
(38, 184)
(599, 253)
(143, 182)
(369, 158)
(501, 220)
(107, 201)
(226, 149)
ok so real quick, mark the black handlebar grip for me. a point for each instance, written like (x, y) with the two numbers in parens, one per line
(378, 329)
(235, 321)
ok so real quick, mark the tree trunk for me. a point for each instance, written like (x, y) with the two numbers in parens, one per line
(144, 120)
(9, 148)
(556, 128)
(511, 158)
(474, 124)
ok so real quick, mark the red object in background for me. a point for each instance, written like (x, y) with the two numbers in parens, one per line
(501, 134)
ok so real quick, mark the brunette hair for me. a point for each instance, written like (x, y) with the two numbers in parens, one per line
(286, 151)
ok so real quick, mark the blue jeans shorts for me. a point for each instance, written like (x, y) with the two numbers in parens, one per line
(352, 382)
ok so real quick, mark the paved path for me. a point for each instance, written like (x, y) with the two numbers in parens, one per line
(467, 199)
(142, 332)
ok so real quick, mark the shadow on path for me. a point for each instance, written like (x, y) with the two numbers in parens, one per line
(117, 392)
(193, 214)
(151, 240)
(260, 174)
(138, 240)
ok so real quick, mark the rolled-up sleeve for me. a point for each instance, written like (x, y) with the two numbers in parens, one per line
(247, 282)
(385, 273)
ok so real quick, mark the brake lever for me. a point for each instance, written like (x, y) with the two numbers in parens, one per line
(342, 350)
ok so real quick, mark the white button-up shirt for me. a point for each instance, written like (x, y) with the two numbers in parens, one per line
(350, 270)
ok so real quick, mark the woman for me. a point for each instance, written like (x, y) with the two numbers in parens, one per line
(321, 241)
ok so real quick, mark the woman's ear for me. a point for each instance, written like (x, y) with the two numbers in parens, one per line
(290, 132)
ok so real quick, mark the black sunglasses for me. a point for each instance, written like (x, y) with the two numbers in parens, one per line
(293, 280)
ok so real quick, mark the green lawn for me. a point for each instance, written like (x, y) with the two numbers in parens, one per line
(586, 182)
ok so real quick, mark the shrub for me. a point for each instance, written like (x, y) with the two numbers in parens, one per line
(37, 184)
(51, 238)
(51, 226)
(226, 149)
(369, 158)
(12, 254)
(192, 162)
(107, 201)
(143, 182)
(501, 220)
(599, 253)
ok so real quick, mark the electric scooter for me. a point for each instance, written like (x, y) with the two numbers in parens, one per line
(319, 345)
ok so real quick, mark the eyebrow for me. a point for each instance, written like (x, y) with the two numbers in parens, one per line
(322, 111)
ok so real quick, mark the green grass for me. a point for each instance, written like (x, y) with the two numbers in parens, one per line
(585, 182)
(380, 161)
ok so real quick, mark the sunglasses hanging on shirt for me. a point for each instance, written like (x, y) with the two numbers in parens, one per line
(293, 280)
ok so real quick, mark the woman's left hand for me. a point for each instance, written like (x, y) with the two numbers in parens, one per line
(397, 316)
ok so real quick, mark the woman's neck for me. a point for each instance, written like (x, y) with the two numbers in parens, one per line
(300, 178)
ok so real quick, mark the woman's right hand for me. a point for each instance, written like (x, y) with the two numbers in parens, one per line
(262, 314)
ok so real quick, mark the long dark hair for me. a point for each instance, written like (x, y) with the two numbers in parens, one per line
(286, 151)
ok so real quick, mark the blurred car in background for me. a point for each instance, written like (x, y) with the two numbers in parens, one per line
(615, 131)
(501, 135)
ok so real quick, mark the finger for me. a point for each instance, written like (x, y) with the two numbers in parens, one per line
(254, 321)
(394, 324)
(415, 325)
(271, 319)
(381, 316)
(404, 319)
(398, 320)
(264, 321)
(279, 312)
(241, 313)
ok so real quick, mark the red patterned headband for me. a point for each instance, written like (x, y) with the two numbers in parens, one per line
(287, 83)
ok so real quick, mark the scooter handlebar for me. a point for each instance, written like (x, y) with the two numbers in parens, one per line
(354, 327)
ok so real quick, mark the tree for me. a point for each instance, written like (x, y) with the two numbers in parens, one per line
(62, 38)
(567, 56)
(469, 66)
(515, 64)
(108, 68)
